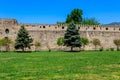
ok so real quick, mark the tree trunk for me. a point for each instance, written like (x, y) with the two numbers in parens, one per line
(61, 48)
(35, 49)
(7, 47)
(83, 47)
(79, 48)
(117, 48)
(23, 49)
(71, 48)
(0, 48)
(95, 47)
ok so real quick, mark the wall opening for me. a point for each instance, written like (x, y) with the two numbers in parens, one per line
(94, 28)
(43, 26)
(62, 27)
(7, 31)
(106, 28)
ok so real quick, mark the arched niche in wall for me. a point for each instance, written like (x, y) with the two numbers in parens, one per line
(43, 26)
(107, 28)
(79, 28)
(7, 31)
(94, 28)
(62, 27)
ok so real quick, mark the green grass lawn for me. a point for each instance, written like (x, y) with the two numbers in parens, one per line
(89, 65)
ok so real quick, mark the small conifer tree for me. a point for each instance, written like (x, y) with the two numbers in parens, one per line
(23, 39)
(72, 37)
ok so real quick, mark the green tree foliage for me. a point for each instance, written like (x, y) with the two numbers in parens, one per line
(37, 44)
(75, 16)
(72, 37)
(96, 42)
(48, 46)
(5, 42)
(23, 39)
(69, 19)
(91, 21)
(117, 43)
(84, 41)
(60, 41)
(1, 44)
(60, 23)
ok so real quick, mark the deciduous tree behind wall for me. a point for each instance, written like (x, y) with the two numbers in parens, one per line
(5, 42)
(75, 16)
(72, 37)
(23, 39)
(84, 41)
(90, 21)
(117, 43)
(60, 41)
(96, 42)
(37, 44)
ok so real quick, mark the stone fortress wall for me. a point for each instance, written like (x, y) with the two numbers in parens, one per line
(47, 34)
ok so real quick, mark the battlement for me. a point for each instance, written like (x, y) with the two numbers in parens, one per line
(4, 21)
(49, 33)
(56, 27)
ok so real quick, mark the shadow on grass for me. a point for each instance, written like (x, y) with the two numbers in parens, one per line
(72, 51)
(23, 51)
(4, 51)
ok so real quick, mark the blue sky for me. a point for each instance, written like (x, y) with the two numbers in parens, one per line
(51, 11)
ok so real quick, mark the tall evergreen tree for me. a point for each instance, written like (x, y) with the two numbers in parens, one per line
(23, 39)
(72, 37)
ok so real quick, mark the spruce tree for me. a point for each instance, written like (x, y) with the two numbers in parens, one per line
(23, 39)
(72, 37)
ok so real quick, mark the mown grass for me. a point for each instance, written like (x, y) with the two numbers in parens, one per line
(88, 65)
